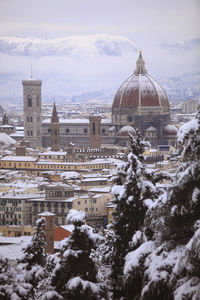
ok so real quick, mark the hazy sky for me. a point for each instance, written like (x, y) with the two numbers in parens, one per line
(149, 23)
(165, 21)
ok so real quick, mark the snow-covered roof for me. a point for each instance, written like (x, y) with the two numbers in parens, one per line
(76, 121)
(100, 190)
(94, 179)
(7, 126)
(6, 139)
(109, 160)
(170, 130)
(17, 134)
(126, 130)
(43, 199)
(69, 227)
(18, 158)
(151, 128)
(53, 153)
(46, 214)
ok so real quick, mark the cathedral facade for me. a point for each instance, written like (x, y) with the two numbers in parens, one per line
(140, 103)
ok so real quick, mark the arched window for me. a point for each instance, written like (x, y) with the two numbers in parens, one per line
(130, 118)
(93, 128)
(38, 101)
(29, 101)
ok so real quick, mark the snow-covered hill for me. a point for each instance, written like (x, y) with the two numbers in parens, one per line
(183, 47)
(85, 45)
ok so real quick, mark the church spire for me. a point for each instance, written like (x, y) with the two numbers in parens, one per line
(140, 65)
(54, 117)
(55, 130)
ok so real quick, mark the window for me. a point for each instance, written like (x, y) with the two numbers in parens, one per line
(103, 130)
(79, 203)
(130, 118)
(29, 101)
(85, 130)
(94, 201)
(86, 209)
(27, 119)
(93, 128)
(49, 129)
(67, 130)
(38, 101)
(51, 224)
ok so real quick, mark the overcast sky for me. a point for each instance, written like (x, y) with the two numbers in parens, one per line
(148, 23)
(166, 21)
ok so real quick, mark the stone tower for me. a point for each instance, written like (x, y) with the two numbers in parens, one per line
(5, 120)
(55, 130)
(32, 111)
(95, 131)
(48, 231)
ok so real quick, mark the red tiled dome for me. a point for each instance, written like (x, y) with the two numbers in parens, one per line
(140, 90)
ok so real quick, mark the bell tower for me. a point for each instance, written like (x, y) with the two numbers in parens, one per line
(95, 131)
(55, 130)
(32, 111)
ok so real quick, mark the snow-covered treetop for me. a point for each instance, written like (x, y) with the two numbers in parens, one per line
(189, 138)
(186, 128)
(75, 216)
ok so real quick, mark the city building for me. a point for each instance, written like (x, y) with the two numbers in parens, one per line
(32, 111)
(140, 102)
(189, 106)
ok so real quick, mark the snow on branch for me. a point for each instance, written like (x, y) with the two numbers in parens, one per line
(75, 216)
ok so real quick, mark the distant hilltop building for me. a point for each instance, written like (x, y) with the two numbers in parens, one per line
(190, 106)
(140, 102)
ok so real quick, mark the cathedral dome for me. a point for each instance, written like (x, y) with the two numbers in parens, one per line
(170, 130)
(124, 131)
(141, 90)
(139, 95)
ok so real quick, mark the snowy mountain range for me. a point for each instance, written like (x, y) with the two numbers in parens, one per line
(93, 66)
(183, 47)
(72, 46)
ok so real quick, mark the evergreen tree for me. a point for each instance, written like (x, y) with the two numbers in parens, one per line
(180, 206)
(34, 253)
(5, 279)
(129, 199)
(75, 277)
(168, 267)
(32, 265)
